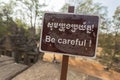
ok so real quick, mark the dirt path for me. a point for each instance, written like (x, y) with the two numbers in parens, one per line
(80, 69)
(49, 71)
(88, 66)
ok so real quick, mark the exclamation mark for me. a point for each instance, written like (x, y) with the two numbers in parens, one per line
(84, 42)
(93, 27)
(90, 43)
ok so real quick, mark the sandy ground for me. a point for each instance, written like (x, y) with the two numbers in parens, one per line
(50, 71)
(88, 66)
(79, 69)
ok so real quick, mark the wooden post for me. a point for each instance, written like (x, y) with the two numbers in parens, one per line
(64, 67)
(65, 57)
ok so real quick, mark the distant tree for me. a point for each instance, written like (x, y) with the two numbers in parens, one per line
(6, 21)
(33, 10)
(20, 23)
(64, 8)
(88, 7)
(110, 41)
(116, 32)
(7, 9)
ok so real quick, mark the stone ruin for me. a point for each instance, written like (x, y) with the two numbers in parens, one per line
(20, 46)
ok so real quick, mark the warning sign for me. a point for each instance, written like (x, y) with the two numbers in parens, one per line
(72, 34)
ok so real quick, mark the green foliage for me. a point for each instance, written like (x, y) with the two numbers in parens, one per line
(5, 27)
(6, 21)
(3, 30)
(110, 42)
(88, 7)
(21, 24)
(116, 20)
(6, 9)
(107, 43)
(64, 8)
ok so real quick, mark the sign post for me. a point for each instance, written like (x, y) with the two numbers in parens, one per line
(69, 34)
(65, 58)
